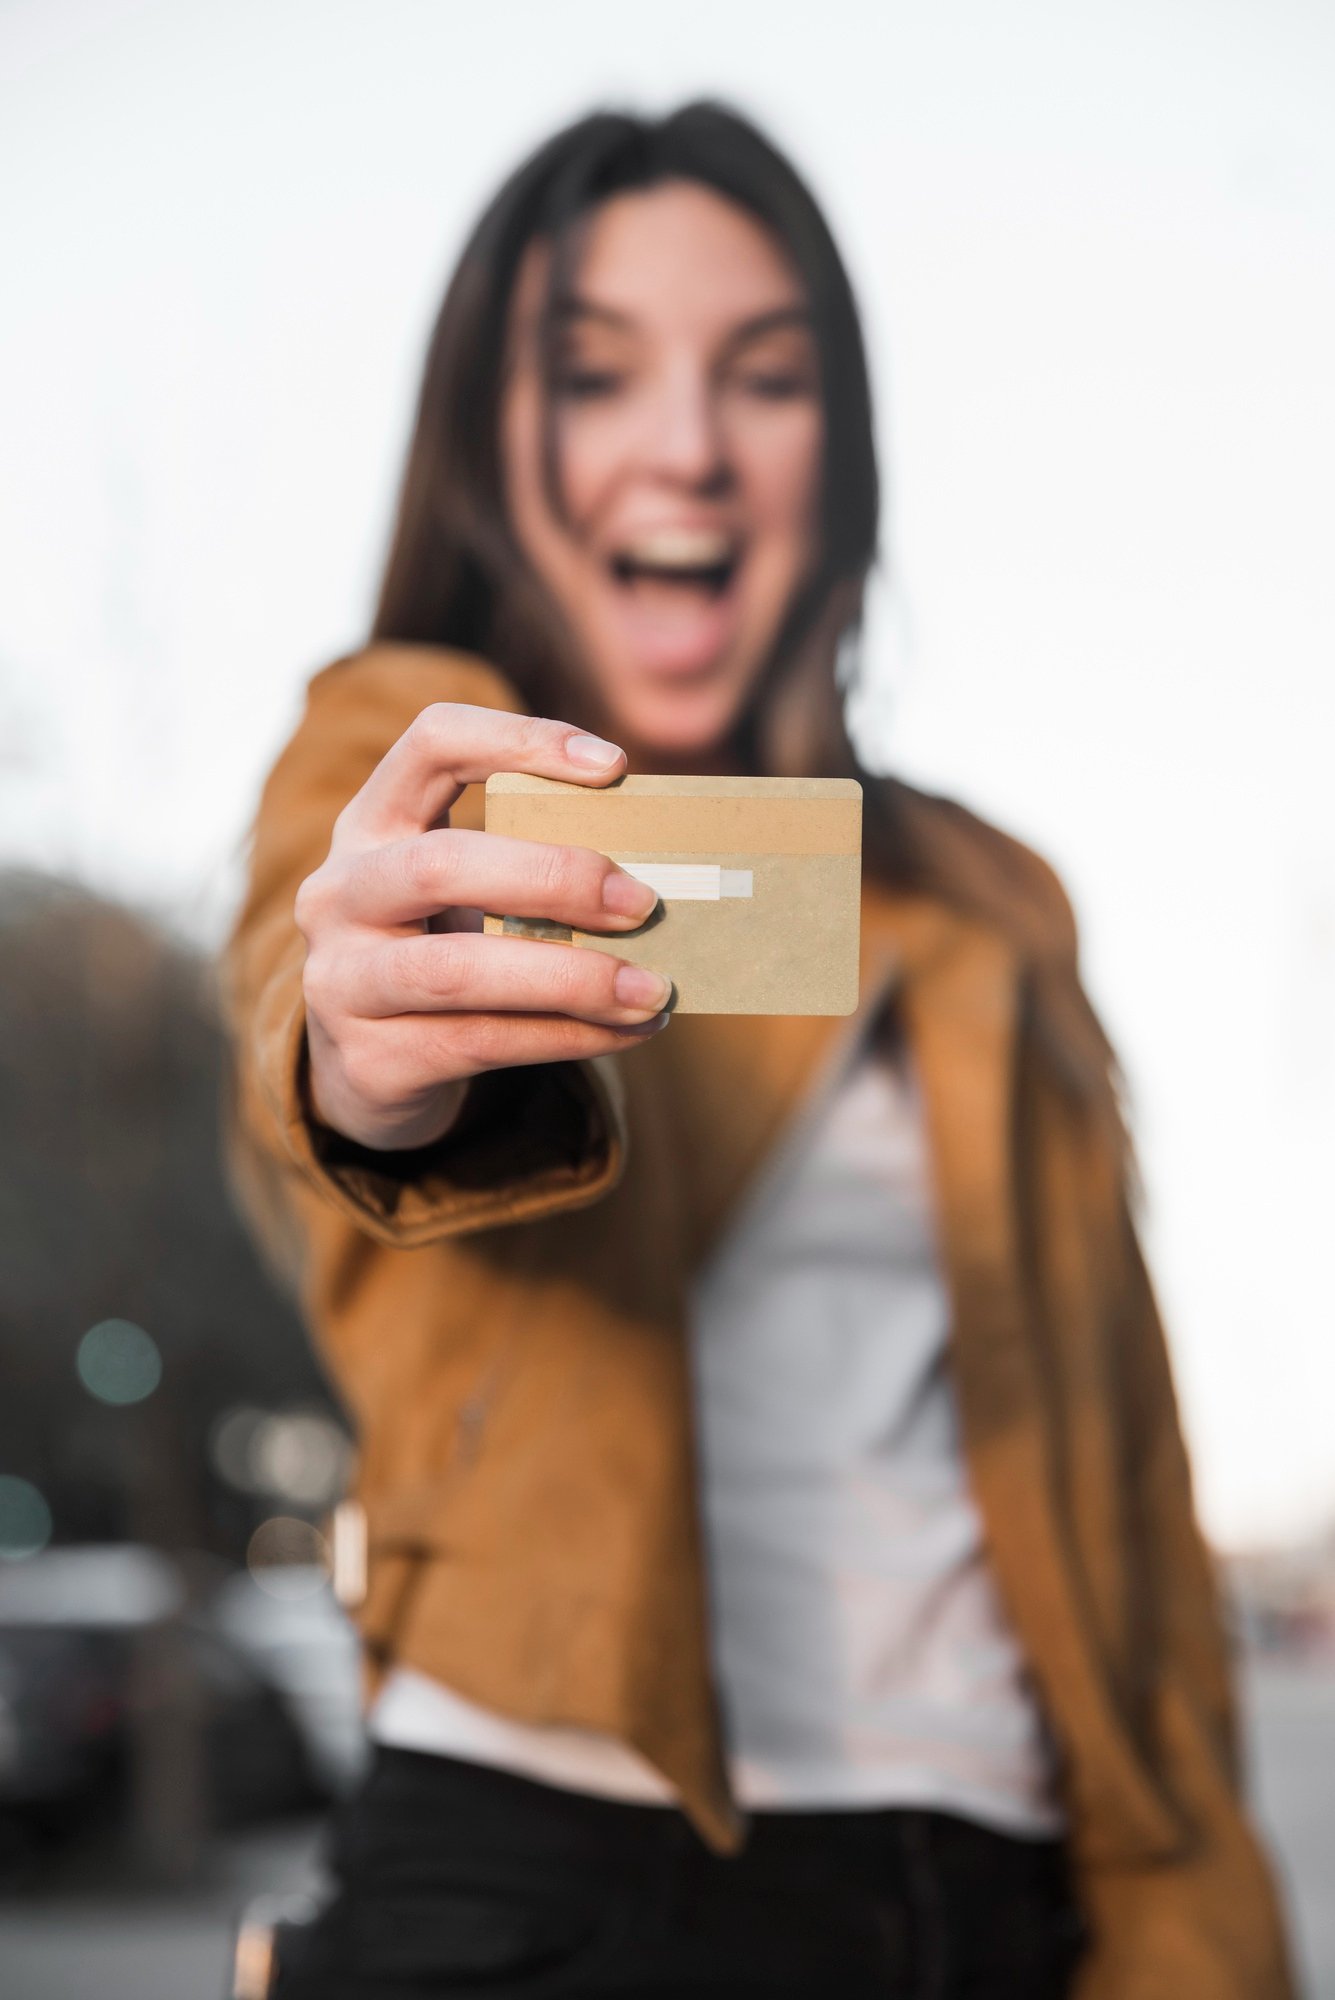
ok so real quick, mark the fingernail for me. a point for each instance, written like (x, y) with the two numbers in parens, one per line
(649, 1027)
(625, 896)
(637, 986)
(591, 750)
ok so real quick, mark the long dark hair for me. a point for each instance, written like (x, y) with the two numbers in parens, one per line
(456, 576)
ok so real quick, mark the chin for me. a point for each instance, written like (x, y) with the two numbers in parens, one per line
(679, 726)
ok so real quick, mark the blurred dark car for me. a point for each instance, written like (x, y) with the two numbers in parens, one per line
(106, 1666)
(301, 1643)
(59, 1719)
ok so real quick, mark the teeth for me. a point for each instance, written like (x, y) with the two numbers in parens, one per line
(680, 548)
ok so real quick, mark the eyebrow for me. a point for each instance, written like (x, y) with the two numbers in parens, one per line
(574, 307)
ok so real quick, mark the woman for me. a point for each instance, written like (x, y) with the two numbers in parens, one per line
(780, 1570)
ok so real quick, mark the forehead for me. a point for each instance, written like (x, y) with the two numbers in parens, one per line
(677, 258)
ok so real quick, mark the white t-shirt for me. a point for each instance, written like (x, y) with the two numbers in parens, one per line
(862, 1654)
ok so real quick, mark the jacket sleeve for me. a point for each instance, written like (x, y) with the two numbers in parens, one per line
(529, 1141)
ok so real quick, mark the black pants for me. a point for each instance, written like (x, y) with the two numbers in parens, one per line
(453, 1878)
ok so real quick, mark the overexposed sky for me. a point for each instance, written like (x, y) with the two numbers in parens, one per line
(1095, 246)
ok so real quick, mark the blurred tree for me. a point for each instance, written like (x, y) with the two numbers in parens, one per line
(113, 1206)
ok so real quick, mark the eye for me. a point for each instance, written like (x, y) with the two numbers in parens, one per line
(585, 385)
(775, 385)
(776, 371)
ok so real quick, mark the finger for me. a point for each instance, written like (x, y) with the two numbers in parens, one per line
(452, 744)
(406, 1061)
(455, 866)
(424, 1047)
(470, 973)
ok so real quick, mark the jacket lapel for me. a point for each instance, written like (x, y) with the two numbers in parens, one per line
(963, 1015)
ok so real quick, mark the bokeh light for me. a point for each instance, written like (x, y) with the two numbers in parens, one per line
(118, 1362)
(25, 1519)
(303, 1458)
(298, 1456)
(288, 1558)
(232, 1445)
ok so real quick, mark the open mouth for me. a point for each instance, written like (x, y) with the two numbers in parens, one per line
(678, 560)
(676, 597)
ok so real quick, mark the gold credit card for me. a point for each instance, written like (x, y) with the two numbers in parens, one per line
(759, 879)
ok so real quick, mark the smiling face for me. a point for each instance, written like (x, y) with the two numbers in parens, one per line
(688, 429)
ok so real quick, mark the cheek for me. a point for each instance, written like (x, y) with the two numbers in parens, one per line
(591, 448)
(782, 470)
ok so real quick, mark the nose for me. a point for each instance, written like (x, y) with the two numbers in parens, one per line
(684, 440)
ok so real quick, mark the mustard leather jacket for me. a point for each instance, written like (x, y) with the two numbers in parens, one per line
(503, 1315)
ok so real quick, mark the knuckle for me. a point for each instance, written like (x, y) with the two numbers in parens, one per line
(396, 1073)
(449, 969)
(310, 901)
(430, 725)
(539, 735)
(317, 986)
(359, 1060)
(569, 979)
(564, 1038)
(555, 872)
(417, 863)
(486, 1040)
(379, 981)
(342, 834)
(431, 715)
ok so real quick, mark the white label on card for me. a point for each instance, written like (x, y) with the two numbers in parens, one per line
(690, 881)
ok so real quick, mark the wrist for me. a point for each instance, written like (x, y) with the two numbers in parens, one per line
(406, 1130)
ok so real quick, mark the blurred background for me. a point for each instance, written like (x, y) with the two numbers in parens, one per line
(1095, 247)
